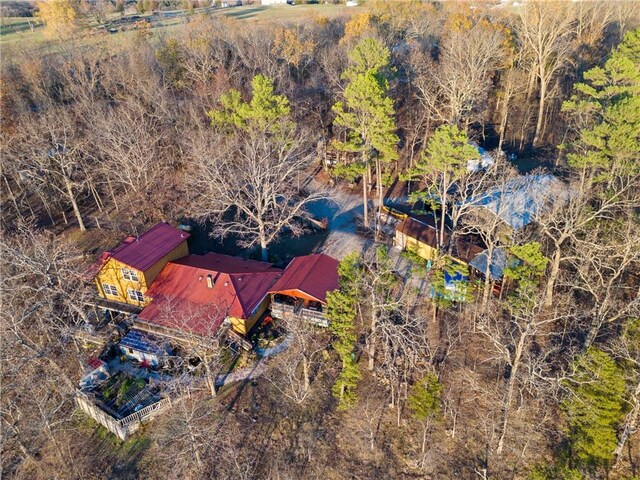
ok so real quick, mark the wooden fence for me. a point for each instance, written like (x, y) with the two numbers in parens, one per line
(122, 427)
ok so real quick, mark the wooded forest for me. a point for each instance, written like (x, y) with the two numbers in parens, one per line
(240, 128)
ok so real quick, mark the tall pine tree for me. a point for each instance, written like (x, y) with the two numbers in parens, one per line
(341, 312)
(607, 109)
(442, 164)
(265, 112)
(594, 408)
(368, 115)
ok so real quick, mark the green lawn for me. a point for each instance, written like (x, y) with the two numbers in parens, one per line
(291, 13)
(20, 31)
(13, 29)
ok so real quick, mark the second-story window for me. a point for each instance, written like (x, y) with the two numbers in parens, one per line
(129, 274)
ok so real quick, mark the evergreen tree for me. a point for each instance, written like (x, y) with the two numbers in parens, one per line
(425, 403)
(341, 312)
(368, 115)
(424, 400)
(266, 111)
(594, 408)
(527, 269)
(441, 165)
(607, 105)
(554, 472)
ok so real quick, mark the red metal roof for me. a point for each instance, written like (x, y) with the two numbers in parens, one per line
(226, 263)
(182, 299)
(145, 251)
(314, 275)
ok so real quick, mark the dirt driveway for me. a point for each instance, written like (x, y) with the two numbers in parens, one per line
(344, 211)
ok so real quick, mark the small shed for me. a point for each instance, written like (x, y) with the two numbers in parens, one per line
(145, 347)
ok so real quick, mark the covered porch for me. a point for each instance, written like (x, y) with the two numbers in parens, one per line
(289, 306)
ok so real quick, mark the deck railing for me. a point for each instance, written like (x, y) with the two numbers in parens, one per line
(145, 412)
(284, 311)
(281, 309)
(122, 427)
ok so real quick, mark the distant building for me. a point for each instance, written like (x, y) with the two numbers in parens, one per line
(276, 2)
(520, 200)
(126, 272)
(420, 235)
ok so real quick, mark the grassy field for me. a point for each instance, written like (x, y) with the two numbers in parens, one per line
(13, 29)
(27, 31)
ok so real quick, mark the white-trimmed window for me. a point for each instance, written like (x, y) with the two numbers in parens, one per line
(110, 290)
(129, 274)
(136, 295)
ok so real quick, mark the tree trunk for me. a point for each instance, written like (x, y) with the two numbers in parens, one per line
(532, 81)
(379, 181)
(196, 452)
(372, 352)
(593, 332)
(372, 338)
(74, 203)
(553, 276)
(364, 202)
(443, 210)
(211, 377)
(423, 450)
(503, 123)
(305, 372)
(113, 194)
(506, 408)
(264, 250)
(344, 365)
(630, 423)
(488, 283)
(541, 105)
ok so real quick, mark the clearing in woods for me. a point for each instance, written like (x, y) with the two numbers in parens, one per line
(29, 30)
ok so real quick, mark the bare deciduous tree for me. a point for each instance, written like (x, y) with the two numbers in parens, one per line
(251, 184)
(302, 360)
(545, 30)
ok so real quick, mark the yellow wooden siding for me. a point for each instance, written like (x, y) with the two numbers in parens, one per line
(422, 249)
(111, 273)
(180, 251)
(242, 326)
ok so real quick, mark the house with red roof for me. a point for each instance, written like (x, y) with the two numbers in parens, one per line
(301, 292)
(126, 272)
(195, 295)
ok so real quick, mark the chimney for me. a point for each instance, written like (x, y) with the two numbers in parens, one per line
(209, 281)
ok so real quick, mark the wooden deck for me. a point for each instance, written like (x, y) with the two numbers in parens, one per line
(285, 311)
